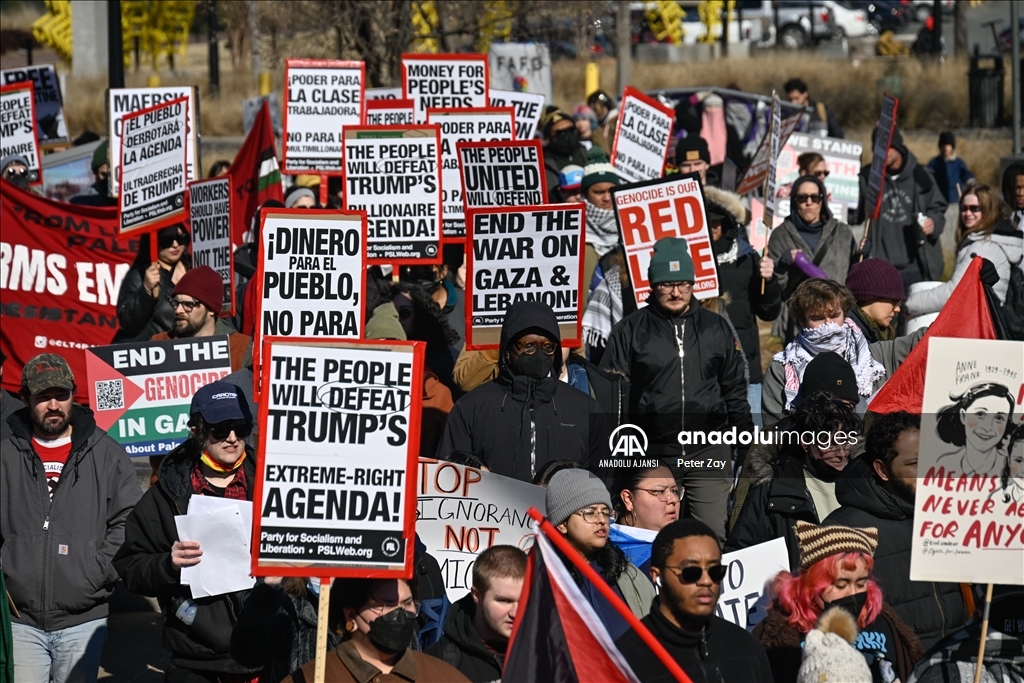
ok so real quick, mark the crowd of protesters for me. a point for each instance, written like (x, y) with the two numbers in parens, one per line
(74, 521)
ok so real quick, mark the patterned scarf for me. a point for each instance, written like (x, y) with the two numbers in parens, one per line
(603, 310)
(602, 231)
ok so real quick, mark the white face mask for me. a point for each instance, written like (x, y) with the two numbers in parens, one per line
(313, 585)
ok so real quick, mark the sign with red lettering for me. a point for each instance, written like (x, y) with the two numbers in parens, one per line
(140, 393)
(444, 82)
(969, 502)
(666, 207)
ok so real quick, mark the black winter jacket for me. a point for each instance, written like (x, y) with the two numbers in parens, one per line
(144, 563)
(57, 555)
(932, 609)
(722, 653)
(139, 315)
(462, 647)
(516, 424)
(697, 385)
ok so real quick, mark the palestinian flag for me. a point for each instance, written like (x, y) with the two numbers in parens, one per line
(255, 175)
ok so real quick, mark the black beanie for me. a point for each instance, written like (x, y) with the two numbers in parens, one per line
(830, 372)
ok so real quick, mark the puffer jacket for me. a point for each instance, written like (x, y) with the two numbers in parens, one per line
(932, 609)
(57, 555)
(144, 563)
(139, 314)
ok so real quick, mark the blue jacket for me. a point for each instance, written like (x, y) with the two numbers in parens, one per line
(948, 174)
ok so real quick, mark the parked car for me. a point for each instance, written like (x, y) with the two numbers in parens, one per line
(850, 22)
(923, 8)
(798, 23)
(883, 15)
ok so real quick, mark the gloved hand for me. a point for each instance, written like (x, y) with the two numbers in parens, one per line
(989, 275)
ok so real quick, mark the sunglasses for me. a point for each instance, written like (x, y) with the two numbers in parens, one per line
(692, 574)
(972, 208)
(13, 172)
(804, 198)
(222, 430)
(821, 174)
(167, 241)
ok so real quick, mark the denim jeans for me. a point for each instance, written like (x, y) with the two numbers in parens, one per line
(71, 655)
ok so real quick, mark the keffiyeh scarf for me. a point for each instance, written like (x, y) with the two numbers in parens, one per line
(603, 310)
(602, 232)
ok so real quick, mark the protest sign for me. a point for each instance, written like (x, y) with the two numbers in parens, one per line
(775, 141)
(523, 67)
(336, 483)
(251, 109)
(524, 253)
(123, 101)
(209, 209)
(464, 125)
(153, 177)
(529, 107)
(879, 151)
(666, 207)
(141, 392)
(444, 82)
(503, 173)
(49, 115)
(390, 112)
(642, 137)
(754, 176)
(393, 173)
(18, 128)
(463, 511)
(321, 96)
(383, 94)
(842, 160)
(969, 505)
(744, 597)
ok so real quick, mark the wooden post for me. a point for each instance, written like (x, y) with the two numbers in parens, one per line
(321, 630)
(984, 635)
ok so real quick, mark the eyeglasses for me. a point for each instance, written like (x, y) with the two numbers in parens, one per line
(187, 305)
(594, 515)
(822, 174)
(530, 348)
(166, 242)
(664, 495)
(693, 573)
(222, 430)
(669, 287)
(12, 172)
(812, 198)
(411, 606)
(972, 208)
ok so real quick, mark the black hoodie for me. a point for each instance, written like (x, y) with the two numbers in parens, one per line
(517, 424)
(462, 647)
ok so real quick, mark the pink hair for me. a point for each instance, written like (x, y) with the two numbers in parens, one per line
(797, 594)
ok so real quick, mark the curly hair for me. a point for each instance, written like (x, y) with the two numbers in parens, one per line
(824, 412)
(818, 296)
(797, 594)
(429, 323)
(884, 432)
(948, 425)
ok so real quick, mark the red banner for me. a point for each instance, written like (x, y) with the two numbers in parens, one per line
(61, 267)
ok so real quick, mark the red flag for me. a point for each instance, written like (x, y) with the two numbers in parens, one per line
(966, 315)
(255, 175)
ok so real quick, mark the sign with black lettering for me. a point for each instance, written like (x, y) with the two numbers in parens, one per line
(464, 125)
(49, 118)
(753, 177)
(339, 436)
(153, 177)
(389, 112)
(140, 393)
(744, 598)
(642, 137)
(209, 210)
(321, 96)
(393, 173)
(18, 128)
(444, 82)
(529, 108)
(524, 253)
(502, 173)
(525, 67)
(123, 101)
(383, 94)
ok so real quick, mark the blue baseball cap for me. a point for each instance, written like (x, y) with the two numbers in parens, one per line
(220, 402)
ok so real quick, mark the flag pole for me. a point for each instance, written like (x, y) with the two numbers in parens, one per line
(984, 634)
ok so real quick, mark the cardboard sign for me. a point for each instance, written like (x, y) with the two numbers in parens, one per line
(50, 126)
(141, 392)
(153, 177)
(883, 140)
(529, 108)
(523, 67)
(123, 101)
(667, 207)
(462, 511)
(393, 173)
(311, 276)
(383, 94)
(321, 96)
(969, 505)
(209, 209)
(755, 174)
(524, 253)
(336, 482)
(18, 127)
(444, 82)
(842, 158)
(502, 173)
(744, 597)
(464, 125)
(642, 137)
(390, 112)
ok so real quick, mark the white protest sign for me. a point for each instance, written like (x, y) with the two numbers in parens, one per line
(524, 67)
(464, 125)
(153, 177)
(842, 160)
(775, 141)
(336, 483)
(251, 108)
(524, 253)
(444, 82)
(383, 94)
(321, 96)
(209, 210)
(390, 112)
(393, 173)
(642, 137)
(50, 124)
(463, 511)
(753, 177)
(666, 207)
(744, 597)
(529, 108)
(503, 173)
(18, 127)
(122, 101)
(969, 504)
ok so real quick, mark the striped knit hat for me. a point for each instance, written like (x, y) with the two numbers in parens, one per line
(819, 542)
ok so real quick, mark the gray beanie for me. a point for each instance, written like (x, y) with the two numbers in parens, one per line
(829, 655)
(572, 490)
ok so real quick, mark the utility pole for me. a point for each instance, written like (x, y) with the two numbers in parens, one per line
(115, 45)
(211, 9)
(623, 44)
(254, 35)
(937, 31)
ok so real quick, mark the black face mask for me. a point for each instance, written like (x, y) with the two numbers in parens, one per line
(822, 470)
(536, 365)
(393, 632)
(851, 603)
(565, 142)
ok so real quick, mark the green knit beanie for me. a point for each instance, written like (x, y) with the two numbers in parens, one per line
(99, 155)
(384, 324)
(670, 262)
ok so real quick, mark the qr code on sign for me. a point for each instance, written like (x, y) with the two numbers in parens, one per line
(109, 394)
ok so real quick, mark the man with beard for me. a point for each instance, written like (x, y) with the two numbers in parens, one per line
(58, 534)
(686, 565)
(877, 490)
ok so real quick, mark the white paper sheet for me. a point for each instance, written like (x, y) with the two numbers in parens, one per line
(224, 567)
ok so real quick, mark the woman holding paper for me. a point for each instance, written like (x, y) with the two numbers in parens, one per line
(144, 302)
